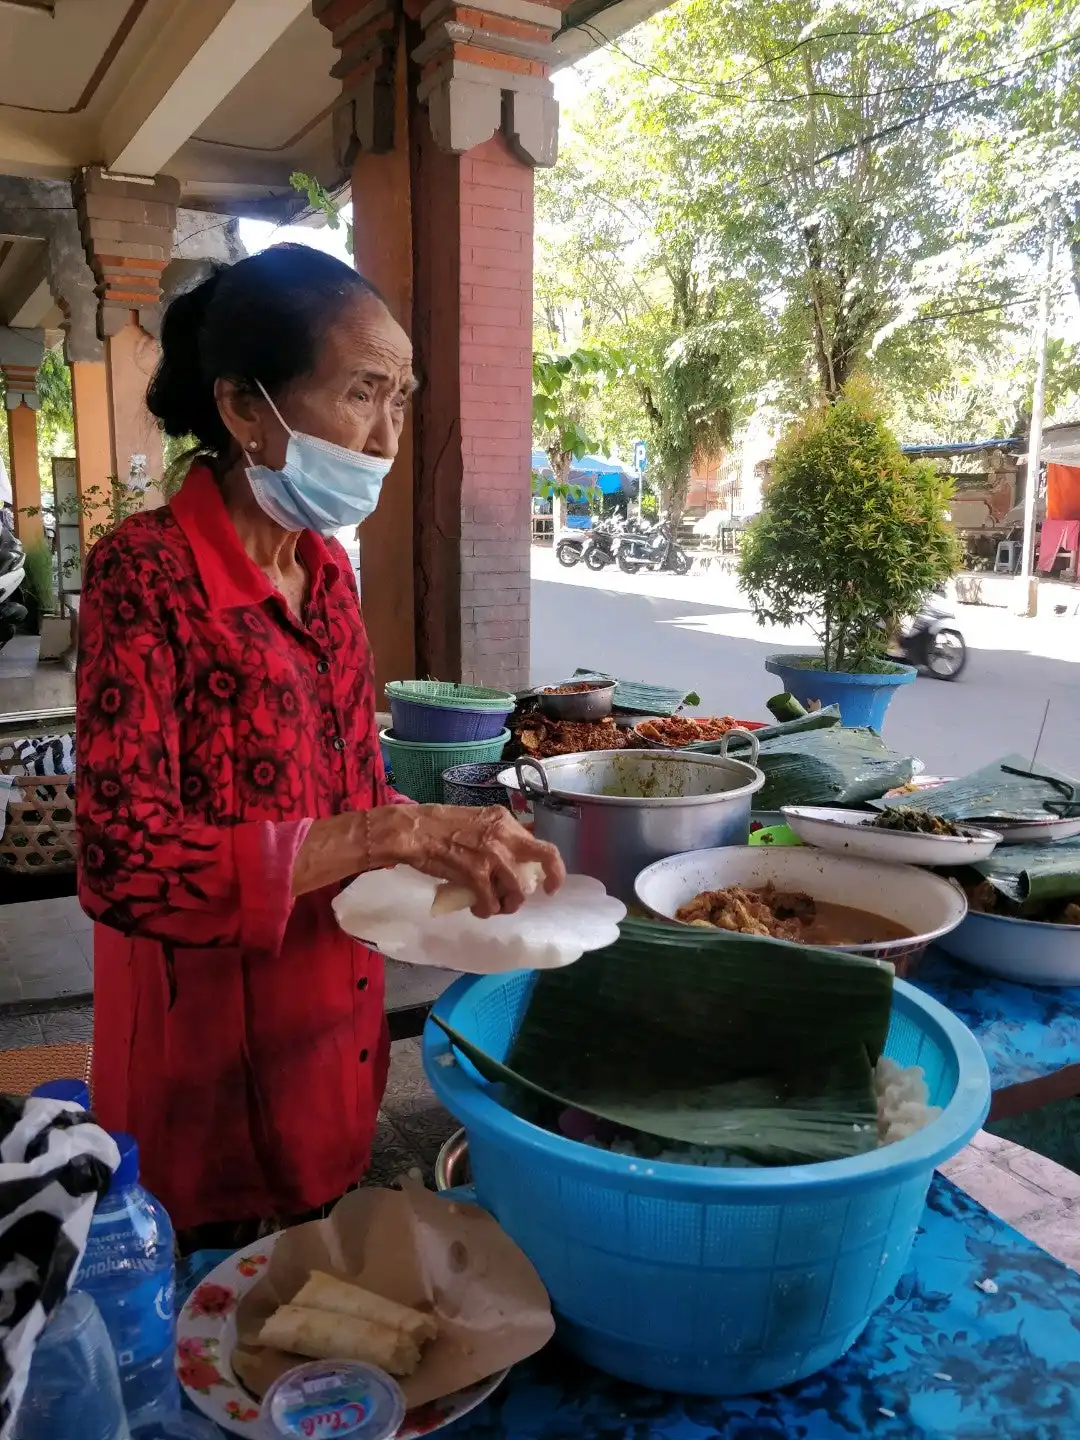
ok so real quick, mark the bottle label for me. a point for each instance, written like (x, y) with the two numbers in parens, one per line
(139, 1319)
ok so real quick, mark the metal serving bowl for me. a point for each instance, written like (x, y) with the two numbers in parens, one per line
(592, 704)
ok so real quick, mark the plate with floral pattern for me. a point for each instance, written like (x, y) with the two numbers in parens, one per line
(206, 1334)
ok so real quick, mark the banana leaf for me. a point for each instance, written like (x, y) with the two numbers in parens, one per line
(1006, 790)
(818, 1114)
(757, 1046)
(1032, 875)
(834, 766)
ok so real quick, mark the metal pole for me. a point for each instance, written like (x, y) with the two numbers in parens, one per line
(1030, 584)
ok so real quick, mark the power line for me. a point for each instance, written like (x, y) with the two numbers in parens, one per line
(798, 44)
(715, 94)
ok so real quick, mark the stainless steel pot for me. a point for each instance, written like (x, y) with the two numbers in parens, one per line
(612, 812)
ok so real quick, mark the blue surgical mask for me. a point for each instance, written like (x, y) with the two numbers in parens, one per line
(322, 487)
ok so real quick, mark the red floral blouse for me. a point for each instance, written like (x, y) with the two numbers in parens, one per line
(238, 1034)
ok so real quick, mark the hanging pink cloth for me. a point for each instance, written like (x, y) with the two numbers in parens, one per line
(1057, 535)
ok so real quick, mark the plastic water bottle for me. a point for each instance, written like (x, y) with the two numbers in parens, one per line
(76, 1091)
(128, 1268)
(73, 1392)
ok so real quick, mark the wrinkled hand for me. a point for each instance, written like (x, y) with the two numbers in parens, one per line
(476, 848)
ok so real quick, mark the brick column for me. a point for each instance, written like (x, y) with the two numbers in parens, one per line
(484, 117)
(127, 230)
(442, 201)
(20, 356)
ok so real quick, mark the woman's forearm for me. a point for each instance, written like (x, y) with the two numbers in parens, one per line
(345, 845)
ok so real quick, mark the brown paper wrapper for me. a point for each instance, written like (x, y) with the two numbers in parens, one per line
(408, 1245)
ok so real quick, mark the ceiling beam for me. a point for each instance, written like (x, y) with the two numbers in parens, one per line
(36, 309)
(199, 56)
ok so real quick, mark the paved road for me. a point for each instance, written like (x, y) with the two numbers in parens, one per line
(697, 632)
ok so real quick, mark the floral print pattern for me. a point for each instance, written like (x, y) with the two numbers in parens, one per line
(942, 1360)
(1026, 1031)
(212, 1299)
(197, 1364)
(239, 1034)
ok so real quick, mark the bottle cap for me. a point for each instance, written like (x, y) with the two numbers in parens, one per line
(127, 1172)
(76, 1091)
(338, 1398)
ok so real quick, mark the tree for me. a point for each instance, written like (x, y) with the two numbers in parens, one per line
(566, 389)
(834, 163)
(852, 535)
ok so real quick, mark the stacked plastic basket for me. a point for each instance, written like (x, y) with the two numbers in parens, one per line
(437, 725)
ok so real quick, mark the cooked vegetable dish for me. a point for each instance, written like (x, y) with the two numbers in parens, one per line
(914, 822)
(787, 915)
(986, 899)
(541, 737)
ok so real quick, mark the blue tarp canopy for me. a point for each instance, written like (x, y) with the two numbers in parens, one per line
(604, 471)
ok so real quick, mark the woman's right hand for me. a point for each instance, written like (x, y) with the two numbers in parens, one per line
(478, 848)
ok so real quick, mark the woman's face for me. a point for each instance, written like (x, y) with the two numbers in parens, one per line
(356, 397)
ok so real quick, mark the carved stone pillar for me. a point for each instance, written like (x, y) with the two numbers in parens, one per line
(20, 356)
(127, 229)
(486, 70)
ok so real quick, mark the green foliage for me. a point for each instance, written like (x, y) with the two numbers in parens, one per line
(865, 184)
(104, 506)
(39, 580)
(563, 388)
(56, 415)
(320, 200)
(851, 534)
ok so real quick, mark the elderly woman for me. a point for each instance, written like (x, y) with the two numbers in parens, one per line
(229, 770)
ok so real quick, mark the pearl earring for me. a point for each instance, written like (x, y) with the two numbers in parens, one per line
(253, 444)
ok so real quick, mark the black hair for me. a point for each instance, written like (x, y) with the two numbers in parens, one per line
(260, 319)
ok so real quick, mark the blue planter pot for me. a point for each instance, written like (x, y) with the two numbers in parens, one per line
(863, 699)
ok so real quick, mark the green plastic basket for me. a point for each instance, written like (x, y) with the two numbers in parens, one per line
(446, 695)
(418, 765)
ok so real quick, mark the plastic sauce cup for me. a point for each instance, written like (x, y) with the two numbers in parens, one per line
(332, 1398)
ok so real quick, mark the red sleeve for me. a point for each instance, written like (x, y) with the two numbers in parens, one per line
(144, 867)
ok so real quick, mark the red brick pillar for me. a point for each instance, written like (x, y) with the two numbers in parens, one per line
(127, 229)
(473, 334)
(480, 115)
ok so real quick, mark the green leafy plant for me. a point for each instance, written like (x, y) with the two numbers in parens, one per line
(321, 201)
(565, 388)
(38, 559)
(104, 506)
(852, 535)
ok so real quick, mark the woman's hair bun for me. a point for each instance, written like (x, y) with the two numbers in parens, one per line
(179, 394)
(258, 322)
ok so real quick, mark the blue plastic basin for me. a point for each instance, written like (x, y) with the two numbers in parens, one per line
(863, 699)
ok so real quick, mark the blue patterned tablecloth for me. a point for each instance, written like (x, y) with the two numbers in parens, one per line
(1027, 1032)
(942, 1360)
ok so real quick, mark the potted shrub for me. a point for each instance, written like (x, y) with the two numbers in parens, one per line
(851, 537)
(39, 587)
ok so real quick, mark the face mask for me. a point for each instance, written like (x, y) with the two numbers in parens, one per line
(322, 487)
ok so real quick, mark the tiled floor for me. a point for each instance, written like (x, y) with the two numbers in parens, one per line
(26, 685)
(46, 953)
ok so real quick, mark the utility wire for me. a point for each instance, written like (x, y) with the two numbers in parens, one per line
(695, 89)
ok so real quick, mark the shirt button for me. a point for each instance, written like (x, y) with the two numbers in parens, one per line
(323, 666)
(338, 742)
(362, 983)
(363, 1056)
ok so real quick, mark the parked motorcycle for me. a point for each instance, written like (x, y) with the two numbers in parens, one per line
(12, 575)
(600, 544)
(569, 550)
(931, 643)
(652, 549)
